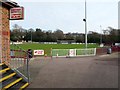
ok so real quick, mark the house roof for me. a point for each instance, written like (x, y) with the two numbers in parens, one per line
(9, 3)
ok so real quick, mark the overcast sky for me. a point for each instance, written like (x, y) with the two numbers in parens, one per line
(68, 15)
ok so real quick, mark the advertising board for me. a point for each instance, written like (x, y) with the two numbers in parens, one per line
(38, 52)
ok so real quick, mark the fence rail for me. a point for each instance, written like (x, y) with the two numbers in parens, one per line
(73, 52)
(86, 52)
(19, 61)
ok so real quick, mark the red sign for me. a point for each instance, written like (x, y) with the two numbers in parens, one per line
(17, 13)
(38, 52)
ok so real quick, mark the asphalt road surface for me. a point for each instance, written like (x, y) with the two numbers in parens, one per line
(83, 72)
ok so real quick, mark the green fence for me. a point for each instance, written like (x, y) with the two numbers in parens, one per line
(60, 52)
(77, 52)
(86, 52)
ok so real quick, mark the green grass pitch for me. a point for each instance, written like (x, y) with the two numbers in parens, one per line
(47, 47)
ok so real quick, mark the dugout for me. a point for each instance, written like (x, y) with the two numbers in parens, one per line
(65, 41)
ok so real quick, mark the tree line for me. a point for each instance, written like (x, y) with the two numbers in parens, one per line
(18, 33)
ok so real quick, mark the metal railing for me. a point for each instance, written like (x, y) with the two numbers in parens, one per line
(73, 52)
(19, 61)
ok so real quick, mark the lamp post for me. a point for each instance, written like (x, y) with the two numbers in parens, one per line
(31, 36)
(101, 34)
(85, 20)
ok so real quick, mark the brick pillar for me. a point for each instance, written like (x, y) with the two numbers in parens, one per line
(4, 35)
(0, 32)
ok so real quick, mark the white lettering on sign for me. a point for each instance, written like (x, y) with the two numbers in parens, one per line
(16, 13)
(38, 52)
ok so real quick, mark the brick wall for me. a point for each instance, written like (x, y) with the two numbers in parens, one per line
(0, 32)
(100, 51)
(4, 34)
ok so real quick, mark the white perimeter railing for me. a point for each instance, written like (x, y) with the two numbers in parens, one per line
(73, 52)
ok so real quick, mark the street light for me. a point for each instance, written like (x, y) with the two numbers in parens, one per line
(101, 34)
(101, 37)
(31, 36)
(85, 20)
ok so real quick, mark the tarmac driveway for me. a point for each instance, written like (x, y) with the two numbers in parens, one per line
(84, 72)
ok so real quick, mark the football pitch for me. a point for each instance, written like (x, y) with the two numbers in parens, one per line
(48, 47)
